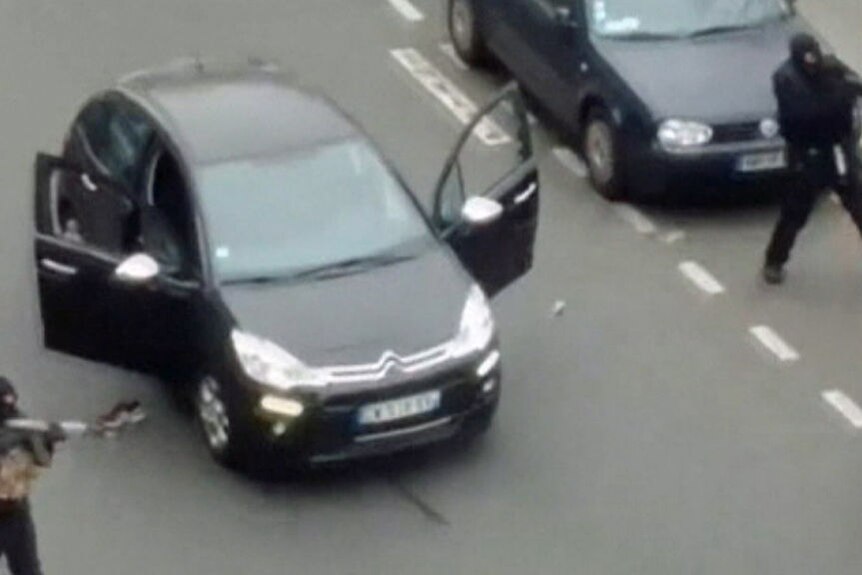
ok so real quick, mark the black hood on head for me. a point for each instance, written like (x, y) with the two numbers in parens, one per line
(7, 389)
(802, 45)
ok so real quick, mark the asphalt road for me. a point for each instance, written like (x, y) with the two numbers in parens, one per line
(645, 430)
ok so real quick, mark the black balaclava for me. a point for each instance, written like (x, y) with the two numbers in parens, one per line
(806, 54)
(8, 400)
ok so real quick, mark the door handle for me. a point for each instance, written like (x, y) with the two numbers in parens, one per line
(59, 268)
(88, 182)
(527, 194)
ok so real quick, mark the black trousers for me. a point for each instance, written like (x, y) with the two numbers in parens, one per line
(816, 172)
(18, 542)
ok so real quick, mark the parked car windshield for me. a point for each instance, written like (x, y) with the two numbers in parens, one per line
(680, 18)
(277, 218)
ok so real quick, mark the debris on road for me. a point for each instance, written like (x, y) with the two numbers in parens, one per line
(559, 308)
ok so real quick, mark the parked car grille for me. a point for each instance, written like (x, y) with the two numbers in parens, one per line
(730, 133)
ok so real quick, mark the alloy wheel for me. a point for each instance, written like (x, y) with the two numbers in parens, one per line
(212, 412)
(600, 152)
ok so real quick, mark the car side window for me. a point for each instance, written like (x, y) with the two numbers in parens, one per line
(115, 139)
(166, 222)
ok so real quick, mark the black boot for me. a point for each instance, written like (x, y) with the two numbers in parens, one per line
(773, 274)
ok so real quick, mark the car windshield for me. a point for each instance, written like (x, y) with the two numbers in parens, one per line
(317, 209)
(645, 19)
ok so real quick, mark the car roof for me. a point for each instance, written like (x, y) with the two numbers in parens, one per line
(222, 113)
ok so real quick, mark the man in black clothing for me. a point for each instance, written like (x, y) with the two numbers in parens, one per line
(17, 533)
(817, 96)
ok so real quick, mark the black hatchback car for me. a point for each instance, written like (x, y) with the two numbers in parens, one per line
(219, 226)
(660, 94)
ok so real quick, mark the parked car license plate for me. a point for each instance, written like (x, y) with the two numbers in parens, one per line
(403, 408)
(762, 162)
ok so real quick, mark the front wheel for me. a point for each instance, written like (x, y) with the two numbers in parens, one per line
(602, 151)
(465, 32)
(220, 425)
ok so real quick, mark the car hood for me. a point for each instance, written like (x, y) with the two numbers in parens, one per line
(402, 308)
(717, 79)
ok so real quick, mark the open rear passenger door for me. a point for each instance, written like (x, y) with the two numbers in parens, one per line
(486, 203)
(78, 241)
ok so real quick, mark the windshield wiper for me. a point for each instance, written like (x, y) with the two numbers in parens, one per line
(350, 266)
(714, 30)
(643, 36)
(344, 267)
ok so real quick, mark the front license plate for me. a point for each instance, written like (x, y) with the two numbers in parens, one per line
(762, 162)
(386, 411)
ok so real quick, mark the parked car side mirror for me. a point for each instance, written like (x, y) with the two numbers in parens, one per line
(479, 211)
(137, 269)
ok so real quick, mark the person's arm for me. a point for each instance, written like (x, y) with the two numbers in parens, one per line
(38, 437)
(841, 70)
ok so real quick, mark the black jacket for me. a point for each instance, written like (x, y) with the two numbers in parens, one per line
(816, 110)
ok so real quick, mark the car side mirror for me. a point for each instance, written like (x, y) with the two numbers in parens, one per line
(479, 211)
(137, 269)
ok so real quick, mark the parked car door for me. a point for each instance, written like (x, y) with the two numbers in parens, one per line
(558, 46)
(502, 26)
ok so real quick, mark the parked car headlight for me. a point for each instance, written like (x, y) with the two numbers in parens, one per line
(268, 364)
(682, 134)
(477, 325)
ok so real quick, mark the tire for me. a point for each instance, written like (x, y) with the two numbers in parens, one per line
(601, 149)
(224, 430)
(465, 32)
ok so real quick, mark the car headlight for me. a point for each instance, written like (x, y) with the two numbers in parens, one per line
(269, 364)
(681, 134)
(477, 325)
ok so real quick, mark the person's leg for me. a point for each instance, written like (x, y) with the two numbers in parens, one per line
(21, 553)
(4, 535)
(796, 207)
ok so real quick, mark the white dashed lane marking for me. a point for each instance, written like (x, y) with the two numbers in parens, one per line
(773, 342)
(673, 237)
(449, 94)
(571, 161)
(407, 10)
(700, 276)
(636, 219)
(844, 405)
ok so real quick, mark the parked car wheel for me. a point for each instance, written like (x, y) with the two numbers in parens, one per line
(602, 152)
(465, 32)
